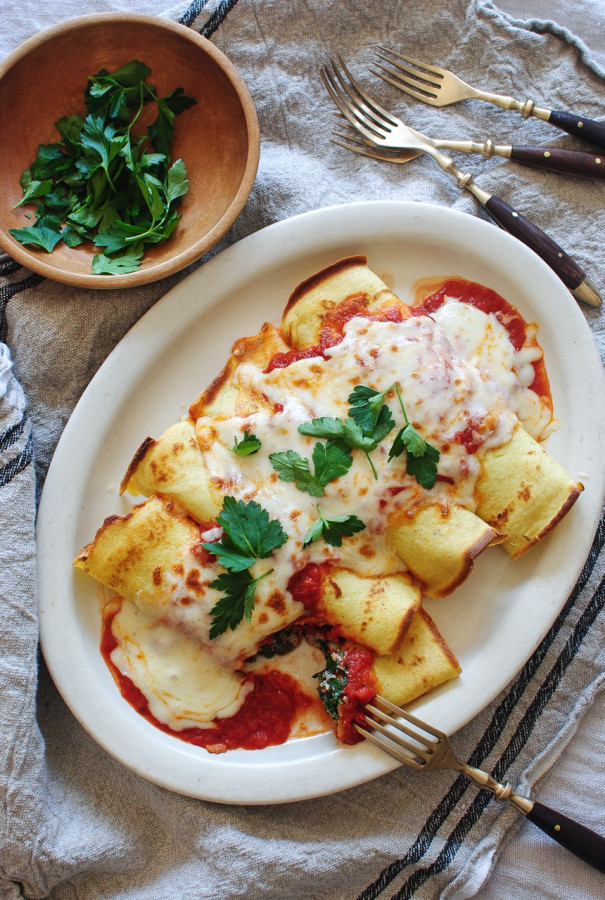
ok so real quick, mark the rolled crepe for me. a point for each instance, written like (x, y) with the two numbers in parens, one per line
(439, 544)
(375, 612)
(174, 466)
(146, 557)
(131, 553)
(310, 304)
(524, 492)
(423, 662)
(224, 396)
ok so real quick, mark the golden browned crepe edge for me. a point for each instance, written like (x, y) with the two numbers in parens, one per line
(313, 299)
(527, 471)
(423, 539)
(130, 552)
(377, 611)
(221, 397)
(405, 675)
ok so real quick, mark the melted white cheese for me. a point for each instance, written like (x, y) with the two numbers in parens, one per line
(482, 340)
(184, 686)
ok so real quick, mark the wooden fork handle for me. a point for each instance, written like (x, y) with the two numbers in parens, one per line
(584, 843)
(559, 261)
(586, 129)
(565, 162)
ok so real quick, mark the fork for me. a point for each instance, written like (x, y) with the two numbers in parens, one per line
(381, 129)
(422, 747)
(565, 162)
(440, 87)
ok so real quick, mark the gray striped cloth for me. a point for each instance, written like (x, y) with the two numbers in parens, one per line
(73, 822)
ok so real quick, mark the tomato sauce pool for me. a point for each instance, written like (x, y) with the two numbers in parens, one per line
(488, 301)
(264, 719)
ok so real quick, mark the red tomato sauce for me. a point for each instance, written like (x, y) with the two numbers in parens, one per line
(265, 717)
(360, 689)
(305, 585)
(332, 330)
(488, 301)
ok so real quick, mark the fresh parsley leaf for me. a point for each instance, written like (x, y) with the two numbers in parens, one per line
(49, 162)
(333, 530)
(366, 406)
(314, 533)
(248, 534)
(128, 261)
(238, 602)
(45, 238)
(160, 131)
(325, 427)
(330, 461)
(248, 445)
(424, 468)
(292, 467)
(384, 424)
(33, 189)
(102, 181)
(422, 457)
(176, 181)
(348, 434)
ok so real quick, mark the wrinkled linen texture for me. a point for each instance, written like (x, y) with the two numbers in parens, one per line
(74, 823)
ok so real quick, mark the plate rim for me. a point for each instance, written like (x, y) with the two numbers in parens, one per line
(368, 762)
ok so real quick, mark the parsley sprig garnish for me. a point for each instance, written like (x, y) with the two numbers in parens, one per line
(349, 434)
(248, 535)
(330, 461)
(238, 602)
(103, 183)
(248, 445)
(422, 457)
(370, 421)
(333, 530)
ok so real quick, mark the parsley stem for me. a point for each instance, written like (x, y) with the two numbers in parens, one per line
(369, 459)
(321, 516)
(405, 415)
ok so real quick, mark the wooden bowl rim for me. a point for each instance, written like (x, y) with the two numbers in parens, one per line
(36, 263)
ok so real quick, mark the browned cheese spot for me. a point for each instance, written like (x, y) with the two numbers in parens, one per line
(193, 583)
(524, 492)
(277, 603)
(335, 588)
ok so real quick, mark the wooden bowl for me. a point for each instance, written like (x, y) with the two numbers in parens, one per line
(218, 138)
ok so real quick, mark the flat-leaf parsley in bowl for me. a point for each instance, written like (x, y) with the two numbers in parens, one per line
(129, 147)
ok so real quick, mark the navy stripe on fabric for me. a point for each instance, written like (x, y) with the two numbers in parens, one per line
(9, 290)
(217, 17)
(18, 464)
(518, 741)
(8, 266)
(192, 12)
(12, 434)
(491, 735)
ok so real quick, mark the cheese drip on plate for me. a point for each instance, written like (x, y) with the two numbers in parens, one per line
(184, 686)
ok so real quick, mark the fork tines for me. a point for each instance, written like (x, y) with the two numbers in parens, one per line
(391, 730)
(422, 80)
(363, 113)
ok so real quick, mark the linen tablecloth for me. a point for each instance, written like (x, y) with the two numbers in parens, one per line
(73, 822)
